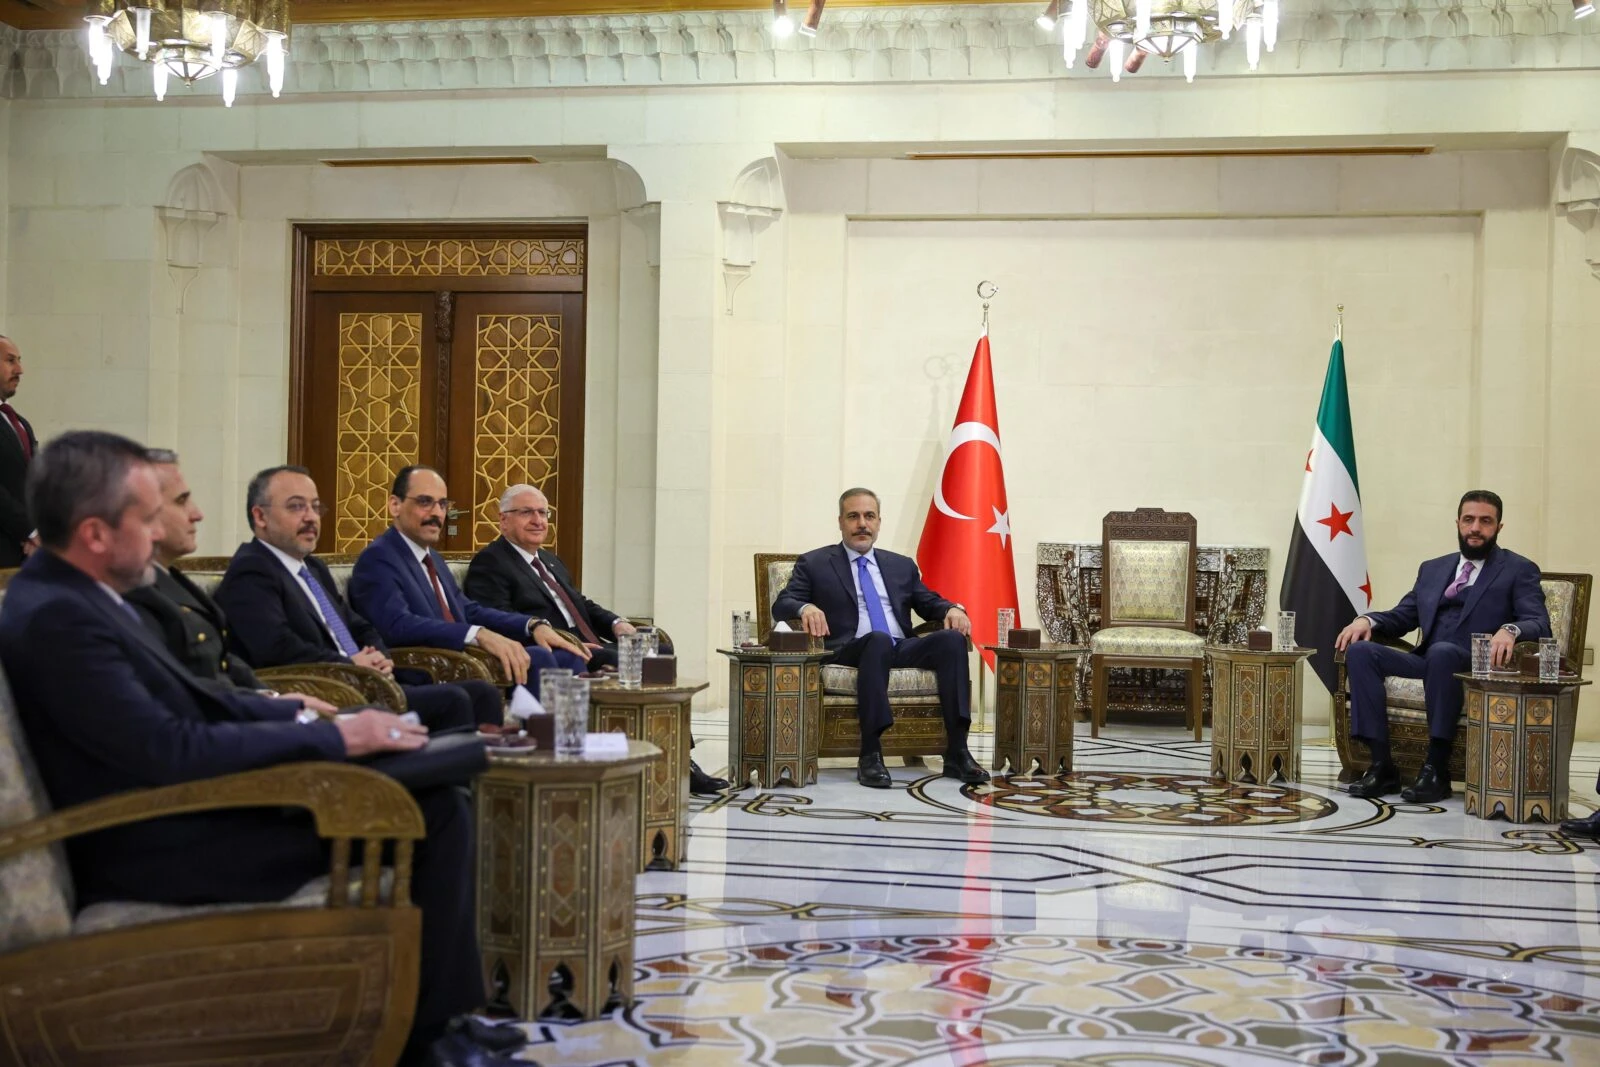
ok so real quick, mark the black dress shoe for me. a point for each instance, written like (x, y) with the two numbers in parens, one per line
(1589, 827)
(458, 1050)
(702, 784)
(871, 772)
(496, 1037)
(1380, 780)
(1429, 787)
(961, 765)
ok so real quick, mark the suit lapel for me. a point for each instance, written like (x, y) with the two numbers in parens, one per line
(413, 568)
(526, 578)
(126, 624)
(447, 582)
(840, 562)
(1491, 571)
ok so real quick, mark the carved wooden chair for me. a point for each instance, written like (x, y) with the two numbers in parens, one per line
(1147, 604)
(913, 694)
(1566, 598)
(328, 976)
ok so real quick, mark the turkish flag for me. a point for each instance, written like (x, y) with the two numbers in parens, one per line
(965, 552)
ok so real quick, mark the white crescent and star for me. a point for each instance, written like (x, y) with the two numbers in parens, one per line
(969, 433)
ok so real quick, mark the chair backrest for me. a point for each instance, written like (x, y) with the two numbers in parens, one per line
(207, 571)
(1148, 569)
(1566, 598)
(35, 887)
(772, 574)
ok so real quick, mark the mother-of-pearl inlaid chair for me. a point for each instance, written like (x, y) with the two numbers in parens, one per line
(1147, 593)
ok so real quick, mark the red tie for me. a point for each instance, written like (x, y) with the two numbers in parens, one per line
(572, 609)
(438, 590)
(16, 424)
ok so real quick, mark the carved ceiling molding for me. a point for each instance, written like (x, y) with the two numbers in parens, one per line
(1578, 191)
(899, 44)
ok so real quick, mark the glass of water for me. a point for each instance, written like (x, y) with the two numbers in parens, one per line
(630, 660)
(1005, 621)
(1482, 659)
(551, 679)
(572, 716)
(741, 628)
(1285, 636)
(1549, 659)
(651, 638)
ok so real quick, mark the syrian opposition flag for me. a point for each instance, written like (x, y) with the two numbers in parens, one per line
(1325, 582)
(965, 552)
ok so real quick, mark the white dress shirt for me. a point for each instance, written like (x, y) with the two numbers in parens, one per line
(422, 553)
(294, 567)
(555, 594)
(863, 619)
(1472, 579)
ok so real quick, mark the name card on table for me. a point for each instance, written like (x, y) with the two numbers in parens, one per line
(605, 745)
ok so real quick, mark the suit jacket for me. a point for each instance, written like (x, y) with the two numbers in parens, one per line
(500, 578)
(1507, 590)
(274, 624)
(823, 577)
(15, 526)
(106, 708)
(391, 588)
(193, 628)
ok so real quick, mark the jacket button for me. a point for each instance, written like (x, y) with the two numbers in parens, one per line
(200, 637)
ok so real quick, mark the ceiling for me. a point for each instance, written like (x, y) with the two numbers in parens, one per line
(68, 14)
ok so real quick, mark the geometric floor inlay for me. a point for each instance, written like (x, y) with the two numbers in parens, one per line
(1041, 999)
(1191, 800)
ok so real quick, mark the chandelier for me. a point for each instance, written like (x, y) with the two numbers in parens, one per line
(1126, 31)
(191, 39)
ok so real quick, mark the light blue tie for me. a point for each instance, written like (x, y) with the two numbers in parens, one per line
(869, 593)
(330, 614)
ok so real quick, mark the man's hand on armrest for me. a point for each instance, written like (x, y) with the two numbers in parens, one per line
(1359, 630)
(813, 621)
(369, 732)
(512, 656)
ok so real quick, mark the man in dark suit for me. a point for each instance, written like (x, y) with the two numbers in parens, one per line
(17, 446)
(1483, 588)
(107, 709)
(287, 608)
(515, 572)
(860, 600)
(404, 586)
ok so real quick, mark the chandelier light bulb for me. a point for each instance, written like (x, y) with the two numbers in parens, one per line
(1582, 8)
(1141, 19)
(1191, 60)
(1252, 42)
(1269, 25)
(141, 31)
(100, 49)
(1225, 18)
(1047, 18)
(275, 63)
(230, 86)
(159, 74)
(782, 22)
(1117, 54)
(219, 37)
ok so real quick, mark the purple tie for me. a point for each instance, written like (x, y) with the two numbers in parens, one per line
(1455, 587)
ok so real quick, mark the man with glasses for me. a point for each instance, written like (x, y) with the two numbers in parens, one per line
(404, 586)
(287, 609)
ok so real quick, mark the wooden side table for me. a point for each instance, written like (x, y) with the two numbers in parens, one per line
(1255, 714)
(1035, 706)
(774, 715)
(658, 714)
(558, 856)
(1519, 743)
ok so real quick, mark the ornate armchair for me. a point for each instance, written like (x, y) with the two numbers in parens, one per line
(1147, 604)
(1566, 597)
(913, 694)
(326, 976)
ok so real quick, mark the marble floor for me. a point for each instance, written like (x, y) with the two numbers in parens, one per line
(1134, 914)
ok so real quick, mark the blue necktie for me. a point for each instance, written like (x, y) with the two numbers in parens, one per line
(869, 594)
(330, 614)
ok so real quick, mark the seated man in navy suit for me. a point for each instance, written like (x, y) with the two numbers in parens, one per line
(286, 609)
(405, 588)
(108, 709)
(860, 600)
(1483, 588)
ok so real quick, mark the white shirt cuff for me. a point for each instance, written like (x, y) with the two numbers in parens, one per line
(472, 635)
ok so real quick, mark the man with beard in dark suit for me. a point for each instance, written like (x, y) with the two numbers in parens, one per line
(17, 446)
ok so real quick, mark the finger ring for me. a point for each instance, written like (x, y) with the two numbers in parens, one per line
(394, 733)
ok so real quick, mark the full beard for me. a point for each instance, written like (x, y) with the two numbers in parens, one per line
(1479, 551)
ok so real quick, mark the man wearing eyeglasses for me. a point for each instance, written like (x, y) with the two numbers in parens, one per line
(287, 609)
(403, 585)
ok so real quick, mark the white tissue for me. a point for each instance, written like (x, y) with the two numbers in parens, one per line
(782, 627)
(524, 703)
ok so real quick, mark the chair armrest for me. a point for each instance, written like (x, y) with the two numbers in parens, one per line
(374, 686)
(293, 680)
(447, 665)
(1393, 642)
(345, 800)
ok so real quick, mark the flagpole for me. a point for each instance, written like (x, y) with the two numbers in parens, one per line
(986, 292)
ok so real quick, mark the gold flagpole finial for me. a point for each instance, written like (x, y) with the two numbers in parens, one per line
(986, 291)
(1338, 323)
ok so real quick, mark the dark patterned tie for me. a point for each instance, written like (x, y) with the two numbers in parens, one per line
(16, 424)
(438, 589)
(330, 614)
(584, 630)
(1455, 587)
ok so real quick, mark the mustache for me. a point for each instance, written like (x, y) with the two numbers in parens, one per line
(311, 528)
(433, 522)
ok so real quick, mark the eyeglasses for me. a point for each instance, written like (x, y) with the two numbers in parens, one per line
(524, 513)
(301, 507)
(428, 503)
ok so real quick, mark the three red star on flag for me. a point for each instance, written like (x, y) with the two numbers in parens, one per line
(1337, 522)
(1367, 589)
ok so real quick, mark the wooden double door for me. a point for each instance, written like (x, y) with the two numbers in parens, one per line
(461, 351)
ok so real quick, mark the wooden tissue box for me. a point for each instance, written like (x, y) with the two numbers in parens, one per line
(1022, 639)
(789, 641)
(1259, 640)
(660, 670)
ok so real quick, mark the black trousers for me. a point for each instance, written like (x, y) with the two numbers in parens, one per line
(453, 705)
(873, 656)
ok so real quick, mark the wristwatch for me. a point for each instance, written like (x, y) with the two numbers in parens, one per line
(1516, 631)
(305, 716)
(534, 624)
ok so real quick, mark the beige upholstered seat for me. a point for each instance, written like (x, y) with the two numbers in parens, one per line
(903, 682)
(1147, 596)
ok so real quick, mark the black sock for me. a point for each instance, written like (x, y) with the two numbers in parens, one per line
(1439, 754)
(1379, 749)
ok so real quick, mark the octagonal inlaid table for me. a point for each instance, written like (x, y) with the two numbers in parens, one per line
(774, 715)
(1519, 743)
(1255, 713)
(658, 714)
(1035, 694)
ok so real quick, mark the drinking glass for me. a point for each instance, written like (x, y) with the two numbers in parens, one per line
(651, 638)
(551, 679)
(630, 660)
(572, 716)
(1286, 639)
(1006, 619)
(1481, 657)
(1549, 659)
(741, 628)
(749, 628)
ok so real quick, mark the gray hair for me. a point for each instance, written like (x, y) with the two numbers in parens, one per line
(256, 495)
(161, 457)
(81, 475)
(513, 492)
(859, 491)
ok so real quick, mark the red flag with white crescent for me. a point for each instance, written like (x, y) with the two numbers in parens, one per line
(965, 552)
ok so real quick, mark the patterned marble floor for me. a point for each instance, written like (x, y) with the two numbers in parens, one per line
(1135, 914)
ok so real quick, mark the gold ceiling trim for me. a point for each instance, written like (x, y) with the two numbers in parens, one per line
(433, 161)
(1171, 153)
